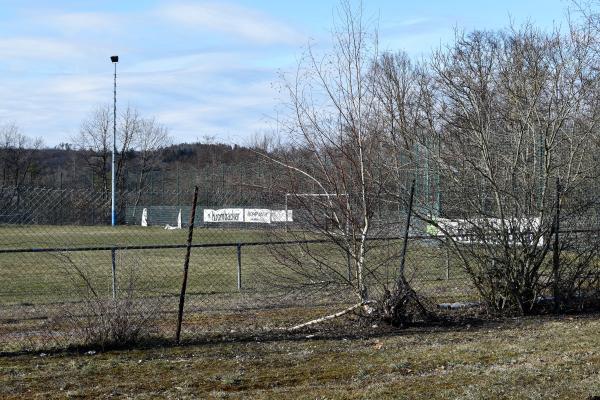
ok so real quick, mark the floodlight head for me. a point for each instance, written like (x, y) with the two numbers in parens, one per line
(114, 59)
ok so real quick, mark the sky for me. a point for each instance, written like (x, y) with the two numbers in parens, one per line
(201, 68)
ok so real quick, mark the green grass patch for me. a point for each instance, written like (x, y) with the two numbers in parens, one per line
(44, 277)
(40, 287)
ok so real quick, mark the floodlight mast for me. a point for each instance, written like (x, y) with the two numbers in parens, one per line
(113, 211)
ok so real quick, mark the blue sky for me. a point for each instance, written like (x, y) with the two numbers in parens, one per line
(202, 68)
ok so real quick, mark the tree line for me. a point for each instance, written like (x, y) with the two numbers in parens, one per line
(499, 129)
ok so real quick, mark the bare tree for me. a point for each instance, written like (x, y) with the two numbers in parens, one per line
(513, 111)
(18, 162)
(17, 154)
(137, 138)
(334, 178)
(151, 137)
(95, 138)
(406, 102)
(265, 141)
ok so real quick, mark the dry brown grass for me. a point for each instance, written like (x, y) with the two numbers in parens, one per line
(521, 358)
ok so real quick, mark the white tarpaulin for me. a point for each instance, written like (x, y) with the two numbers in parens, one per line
(224, 215)
(145, 217)
(279, 216)
(260, 215)
(475, 230)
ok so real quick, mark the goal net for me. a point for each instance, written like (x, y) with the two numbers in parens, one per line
(160, 219)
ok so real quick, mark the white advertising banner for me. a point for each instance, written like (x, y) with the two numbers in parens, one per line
(279, 216)
(260, 215)
(252, 215)
(224, 215)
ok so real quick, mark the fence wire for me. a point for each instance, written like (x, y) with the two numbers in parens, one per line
(70, 279)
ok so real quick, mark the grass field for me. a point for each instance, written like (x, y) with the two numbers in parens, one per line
(242, 355)
(45, 277)
(37, 286)
(41, 236)
(531, 358)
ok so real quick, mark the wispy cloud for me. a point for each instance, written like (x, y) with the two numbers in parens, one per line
(82, 22)
(234, 20)
(209, 61)
(201, 67)
(36, 48)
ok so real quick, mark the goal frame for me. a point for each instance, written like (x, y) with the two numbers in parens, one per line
(306, 195)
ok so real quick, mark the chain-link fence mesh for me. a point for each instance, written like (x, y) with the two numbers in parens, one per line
(69, 278)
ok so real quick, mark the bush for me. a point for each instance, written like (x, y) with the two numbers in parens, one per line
(102, 322)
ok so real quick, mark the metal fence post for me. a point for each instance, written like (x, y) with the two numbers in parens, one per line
(349, 264)
(239, 266)
(60, 206)
(556, 252)
(286, 212)
(401, 277)
(348, 254)
(113, 257)
(447, 264)
(186, 265)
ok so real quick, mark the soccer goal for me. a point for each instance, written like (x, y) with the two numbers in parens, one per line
(178, 226)
(159, 220)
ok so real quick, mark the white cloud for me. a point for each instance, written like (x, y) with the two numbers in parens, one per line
(36, 48)
(221, 104)
(75, 22)
(209, 61)
(77, 88)
(231, 19)
(193, 86)
(51, 108)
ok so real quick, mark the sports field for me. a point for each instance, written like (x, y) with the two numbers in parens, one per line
(48, 276)
(51, 276)
(38, 285)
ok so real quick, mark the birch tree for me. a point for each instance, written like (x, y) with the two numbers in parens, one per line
(332, 176)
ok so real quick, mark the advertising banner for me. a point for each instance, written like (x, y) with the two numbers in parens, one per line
(251, 215)
(260, 215)
(224, 215)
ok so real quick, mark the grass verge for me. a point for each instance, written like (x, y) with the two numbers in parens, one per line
(542, 357)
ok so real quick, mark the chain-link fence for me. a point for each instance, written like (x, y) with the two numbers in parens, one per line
(68, 278)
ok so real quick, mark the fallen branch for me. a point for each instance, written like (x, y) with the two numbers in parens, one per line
(332, 316)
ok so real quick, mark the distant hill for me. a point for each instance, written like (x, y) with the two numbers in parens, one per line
(67, 167)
